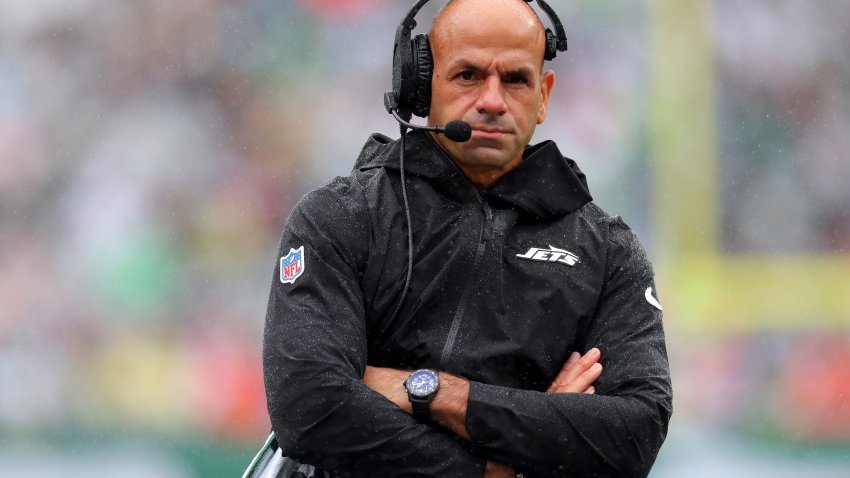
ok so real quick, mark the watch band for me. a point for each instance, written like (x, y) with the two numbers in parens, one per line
(421, 409)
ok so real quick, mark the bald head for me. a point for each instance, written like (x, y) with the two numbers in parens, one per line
(486, 17)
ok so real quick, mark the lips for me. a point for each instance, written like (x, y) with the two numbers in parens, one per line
(489, 132)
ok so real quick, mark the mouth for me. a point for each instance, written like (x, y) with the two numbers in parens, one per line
(489, 132)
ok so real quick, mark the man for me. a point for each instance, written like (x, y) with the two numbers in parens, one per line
(514, 272)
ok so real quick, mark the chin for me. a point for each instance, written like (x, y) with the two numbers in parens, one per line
(484, 157)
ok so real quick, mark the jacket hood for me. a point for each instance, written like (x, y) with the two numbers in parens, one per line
(545, 185)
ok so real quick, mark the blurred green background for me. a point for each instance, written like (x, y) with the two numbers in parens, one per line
(151, 151)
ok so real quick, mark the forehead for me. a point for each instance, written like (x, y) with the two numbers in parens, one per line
(506, 30)
(489, 58)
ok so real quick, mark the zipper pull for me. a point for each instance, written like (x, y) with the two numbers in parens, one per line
(488, 223)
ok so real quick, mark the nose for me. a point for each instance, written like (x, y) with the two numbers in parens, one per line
(491, 98)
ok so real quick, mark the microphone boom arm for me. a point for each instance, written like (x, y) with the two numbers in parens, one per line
(458, 131)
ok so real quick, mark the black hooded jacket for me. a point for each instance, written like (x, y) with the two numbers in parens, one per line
(506, 283)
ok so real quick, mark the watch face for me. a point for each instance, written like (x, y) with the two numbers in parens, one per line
(422, 383)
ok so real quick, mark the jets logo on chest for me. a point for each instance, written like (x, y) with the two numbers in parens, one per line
(553, 254)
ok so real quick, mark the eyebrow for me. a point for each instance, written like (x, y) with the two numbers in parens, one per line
(465, 65)
(468, 65)
(521, 71)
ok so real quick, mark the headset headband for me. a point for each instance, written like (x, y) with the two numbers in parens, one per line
(560, 33)
(409, 22)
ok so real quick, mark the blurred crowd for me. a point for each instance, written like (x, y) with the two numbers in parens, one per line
(151, 152)
(784, 80)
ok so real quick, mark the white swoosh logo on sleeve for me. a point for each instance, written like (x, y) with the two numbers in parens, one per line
(652, 300)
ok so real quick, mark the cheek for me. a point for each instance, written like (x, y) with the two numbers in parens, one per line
(443, 102)
(527, 111)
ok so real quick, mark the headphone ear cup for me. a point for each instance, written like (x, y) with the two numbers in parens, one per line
(551, 46)
(423, 70)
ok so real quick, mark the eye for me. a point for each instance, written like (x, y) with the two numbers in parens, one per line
(516, 79)
(466, 75)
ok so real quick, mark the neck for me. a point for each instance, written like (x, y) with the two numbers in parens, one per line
(485, 176)
(482, 177)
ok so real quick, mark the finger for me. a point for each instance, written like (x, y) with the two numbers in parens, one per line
(586, 380)
(582, 382)
(572, 360)
(590, 390)
(564, 375)
(574, 368)
(591, 357)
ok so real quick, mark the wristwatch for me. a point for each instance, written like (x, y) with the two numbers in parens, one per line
(422, 385)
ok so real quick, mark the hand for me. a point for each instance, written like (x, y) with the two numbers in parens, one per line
(389, 383)
(496, 470)
(578, 373)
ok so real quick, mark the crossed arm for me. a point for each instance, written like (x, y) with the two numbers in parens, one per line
(315, 356)
(449, 406)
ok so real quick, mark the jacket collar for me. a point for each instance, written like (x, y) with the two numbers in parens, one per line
(545, 185)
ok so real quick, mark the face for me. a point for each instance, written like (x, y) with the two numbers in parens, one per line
(487, 72)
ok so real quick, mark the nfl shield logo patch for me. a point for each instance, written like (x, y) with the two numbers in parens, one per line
(292, 265)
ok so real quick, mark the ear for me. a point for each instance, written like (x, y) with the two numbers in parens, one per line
(547, 82)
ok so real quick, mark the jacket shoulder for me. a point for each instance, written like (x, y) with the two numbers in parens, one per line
(624, 249)
(340, 197)
(335, 215)
(350, 203)
(378, 150)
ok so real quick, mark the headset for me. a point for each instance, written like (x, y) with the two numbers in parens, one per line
(413, 64)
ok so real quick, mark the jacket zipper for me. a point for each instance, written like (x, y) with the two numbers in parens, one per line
(483, 237)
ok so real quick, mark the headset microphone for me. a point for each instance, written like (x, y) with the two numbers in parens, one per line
(457, 130)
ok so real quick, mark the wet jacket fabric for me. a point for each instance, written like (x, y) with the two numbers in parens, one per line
(506, 283)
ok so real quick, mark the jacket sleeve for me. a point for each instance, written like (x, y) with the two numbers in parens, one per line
(314, 357)
(618, 431)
